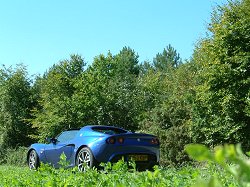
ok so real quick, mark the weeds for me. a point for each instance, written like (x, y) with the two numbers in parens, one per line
(221, 165)
(119, 174)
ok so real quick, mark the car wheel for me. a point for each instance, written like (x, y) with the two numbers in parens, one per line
(33, 160)
(85, 159)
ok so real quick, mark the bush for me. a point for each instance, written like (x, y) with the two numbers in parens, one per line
(15, 156)
(2, 155)
(172, 142)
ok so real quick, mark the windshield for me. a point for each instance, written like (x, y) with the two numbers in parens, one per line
(67, 135)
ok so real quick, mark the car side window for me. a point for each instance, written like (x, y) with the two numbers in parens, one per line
(67, 135)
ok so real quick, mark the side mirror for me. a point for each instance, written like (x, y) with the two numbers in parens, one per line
(51, 140)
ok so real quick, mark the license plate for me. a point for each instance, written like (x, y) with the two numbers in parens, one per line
(138, 157)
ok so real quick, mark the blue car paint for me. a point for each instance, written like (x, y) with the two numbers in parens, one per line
(134, 143)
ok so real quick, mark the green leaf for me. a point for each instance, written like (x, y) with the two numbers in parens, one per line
(214, 182)
(199, 152)
(219, 154)
(248, 153)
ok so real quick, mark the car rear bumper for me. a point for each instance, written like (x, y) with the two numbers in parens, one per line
(112, 153)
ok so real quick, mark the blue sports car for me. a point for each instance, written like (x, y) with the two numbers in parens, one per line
(91, 145)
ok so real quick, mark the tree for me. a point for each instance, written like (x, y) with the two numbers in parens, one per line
(221, 113)
(167, 60)
(16, 103)
(107, 90)
(55, 111)
(170, 98)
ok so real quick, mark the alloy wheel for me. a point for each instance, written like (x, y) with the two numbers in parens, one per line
(32, 160)
(84, 160)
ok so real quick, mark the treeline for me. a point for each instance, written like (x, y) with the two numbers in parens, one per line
(205, 99)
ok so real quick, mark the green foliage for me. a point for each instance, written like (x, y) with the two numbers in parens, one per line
(112, 175)
(222, 100)
(167, 60)
(54, 111)
(63, 161)
(229, 157)
(116, 174)
(15, 157)
(168, 115)
(15, 105)
(106, 93)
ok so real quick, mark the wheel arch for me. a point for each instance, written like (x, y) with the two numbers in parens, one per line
(82, 146)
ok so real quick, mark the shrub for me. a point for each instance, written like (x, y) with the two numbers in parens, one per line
(12, 156)
(172, 142)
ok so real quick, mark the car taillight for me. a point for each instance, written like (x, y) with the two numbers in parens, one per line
(154, 141)
(120, 140)
(110, 140)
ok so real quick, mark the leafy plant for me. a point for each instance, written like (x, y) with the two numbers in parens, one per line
(112, 175)
(229, 157)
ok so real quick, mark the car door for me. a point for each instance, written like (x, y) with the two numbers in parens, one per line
(62, 144)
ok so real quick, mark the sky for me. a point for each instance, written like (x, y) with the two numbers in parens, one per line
(40, 33)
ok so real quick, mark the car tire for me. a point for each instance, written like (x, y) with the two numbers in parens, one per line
(85, 159)
(33, 160)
